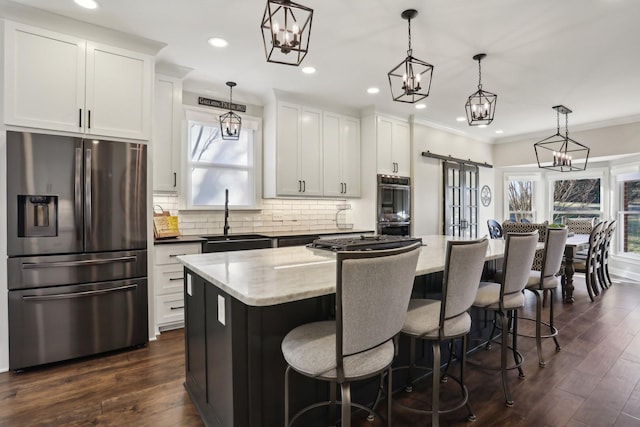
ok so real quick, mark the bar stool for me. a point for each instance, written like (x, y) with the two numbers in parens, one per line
(547, 280)
(373, 289)
(603, 265)
(437, 321)
(506, 297)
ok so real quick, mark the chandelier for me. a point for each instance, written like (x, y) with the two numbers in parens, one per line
(230, 123)
(559, 152)
(481, 106)
(410, 81)
(286, 29)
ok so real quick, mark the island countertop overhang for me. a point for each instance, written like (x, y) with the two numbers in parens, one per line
(280, 275)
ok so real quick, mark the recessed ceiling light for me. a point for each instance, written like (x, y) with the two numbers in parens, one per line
(217, 42)
(308, 70)
(421, 106)
(373, 90)
(87, 4)
(482, 126)
(499, 131)
(461, 119)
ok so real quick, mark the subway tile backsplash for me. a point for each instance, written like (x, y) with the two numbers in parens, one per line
(276, 215)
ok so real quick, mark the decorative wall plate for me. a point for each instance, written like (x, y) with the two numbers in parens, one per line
(485, 195)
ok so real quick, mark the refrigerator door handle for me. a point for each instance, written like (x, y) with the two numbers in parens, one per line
(77, 187)
(87, 195)
(31, 265)
(79, 294)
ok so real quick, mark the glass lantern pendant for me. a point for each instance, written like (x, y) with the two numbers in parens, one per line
(481, 105)
(286, 30)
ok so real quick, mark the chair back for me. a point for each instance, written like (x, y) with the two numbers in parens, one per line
(373, 289)
(606, 241)
(462, 273)
(554, 251)
(595, 238)
(495, 229)
(519, 251)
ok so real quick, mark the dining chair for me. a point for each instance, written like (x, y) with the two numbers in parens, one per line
(373, 289)
(588, 263)
(506, 297)
(447, 319)
(605, 246)
(547, 280)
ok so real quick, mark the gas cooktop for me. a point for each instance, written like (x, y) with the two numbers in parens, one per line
(363, 242)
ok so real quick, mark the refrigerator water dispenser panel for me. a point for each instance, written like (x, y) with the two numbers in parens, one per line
(37, 216)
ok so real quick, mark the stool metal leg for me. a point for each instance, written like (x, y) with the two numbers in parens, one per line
(503, 360)
(389, 393)
(412, 361)
(332, 404)
(435, 398)
(516, 356)
(346, 404)
(552, 328)
(286, 396)
(463, 361)
(541, 362)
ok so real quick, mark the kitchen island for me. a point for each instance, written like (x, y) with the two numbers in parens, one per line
(239, 306)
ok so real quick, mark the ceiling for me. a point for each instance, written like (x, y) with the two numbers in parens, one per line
(579, 53)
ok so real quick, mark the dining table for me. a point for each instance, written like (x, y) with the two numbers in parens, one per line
(574, 244)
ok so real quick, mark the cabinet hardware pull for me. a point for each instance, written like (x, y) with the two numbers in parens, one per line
(345, 188)
(175, 179)
(304, 186)
(299, 186)
(175, 255)
(89, 262)
(81, 294)
(89, 119)
(171, 279)
(177, 308)
(80, 117)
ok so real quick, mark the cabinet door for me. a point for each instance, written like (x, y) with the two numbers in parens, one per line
(166, 134)
(384, 136)
(288, 180)
(332, 153)
(117, 92)
(311, 152)
(350, 155)
(401, 149)
(44, 78)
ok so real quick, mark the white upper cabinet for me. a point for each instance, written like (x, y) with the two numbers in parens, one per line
(166, 133)
(341, 151)
(298, 151)
(59, 82)
(393, 146)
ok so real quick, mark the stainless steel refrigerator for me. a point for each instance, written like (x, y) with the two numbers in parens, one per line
(77, 246)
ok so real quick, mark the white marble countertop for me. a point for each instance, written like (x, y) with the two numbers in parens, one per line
(266, 277)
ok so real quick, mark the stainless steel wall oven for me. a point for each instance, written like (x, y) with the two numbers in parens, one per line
(394, 205)
(77, 246)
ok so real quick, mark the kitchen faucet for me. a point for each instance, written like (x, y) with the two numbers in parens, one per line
(226, 213)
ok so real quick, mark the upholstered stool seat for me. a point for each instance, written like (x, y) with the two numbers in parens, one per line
(311, 350)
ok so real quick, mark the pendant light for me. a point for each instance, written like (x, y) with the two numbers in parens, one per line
(410, 81)
(286, 30)
(481, 106)
(230, 123)
(559, 152)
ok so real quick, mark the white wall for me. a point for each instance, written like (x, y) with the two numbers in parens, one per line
(427, 175)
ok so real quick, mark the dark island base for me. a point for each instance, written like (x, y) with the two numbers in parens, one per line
(235, 372)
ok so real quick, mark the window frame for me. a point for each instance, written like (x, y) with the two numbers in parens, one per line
(618, 175)
(536, 179)
(210, 116)
(595, 173)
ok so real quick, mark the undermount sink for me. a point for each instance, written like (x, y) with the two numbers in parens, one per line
(237, 242)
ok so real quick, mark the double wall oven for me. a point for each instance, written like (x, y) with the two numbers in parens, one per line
(394, 205)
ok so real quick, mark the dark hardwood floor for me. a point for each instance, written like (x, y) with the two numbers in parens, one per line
(593, 381)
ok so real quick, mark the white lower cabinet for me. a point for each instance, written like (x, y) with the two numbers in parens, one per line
(169, 282)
